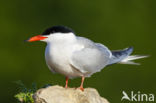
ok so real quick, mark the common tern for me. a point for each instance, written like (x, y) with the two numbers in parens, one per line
(75, 56)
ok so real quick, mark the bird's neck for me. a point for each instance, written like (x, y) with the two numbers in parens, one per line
(59, 39)
(59, 45)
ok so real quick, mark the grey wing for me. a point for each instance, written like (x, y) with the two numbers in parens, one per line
(92, 58)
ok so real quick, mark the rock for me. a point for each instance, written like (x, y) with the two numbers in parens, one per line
(58, 94)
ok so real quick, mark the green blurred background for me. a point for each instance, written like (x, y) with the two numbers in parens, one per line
(115, 23)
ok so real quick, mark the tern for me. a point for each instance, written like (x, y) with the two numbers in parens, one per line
(75, 56)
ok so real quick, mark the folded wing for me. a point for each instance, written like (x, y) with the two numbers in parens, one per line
(92, 58)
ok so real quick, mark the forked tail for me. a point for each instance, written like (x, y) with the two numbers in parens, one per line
(124, 57)
(129, 59)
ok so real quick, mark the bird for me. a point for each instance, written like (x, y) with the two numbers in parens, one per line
(75, 56)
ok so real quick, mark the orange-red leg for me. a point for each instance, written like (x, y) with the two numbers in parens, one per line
(66, 86)
(81, 86)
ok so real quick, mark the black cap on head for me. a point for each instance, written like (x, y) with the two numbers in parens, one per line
(57, 29)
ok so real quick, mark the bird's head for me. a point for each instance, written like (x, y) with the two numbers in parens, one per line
(48, 34)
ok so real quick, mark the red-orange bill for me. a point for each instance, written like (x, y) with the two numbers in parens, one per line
(36, 38)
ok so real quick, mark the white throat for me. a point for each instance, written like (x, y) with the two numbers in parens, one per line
(60, 38)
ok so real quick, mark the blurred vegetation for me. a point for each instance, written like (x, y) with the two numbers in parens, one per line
(115, 23)
(25, 95)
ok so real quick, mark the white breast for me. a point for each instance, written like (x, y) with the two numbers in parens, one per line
(57, 57)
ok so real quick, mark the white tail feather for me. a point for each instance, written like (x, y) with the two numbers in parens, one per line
(128, 59)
